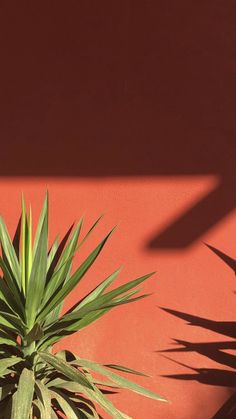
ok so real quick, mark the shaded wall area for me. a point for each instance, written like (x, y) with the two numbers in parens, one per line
(111, 90)
(102, 89)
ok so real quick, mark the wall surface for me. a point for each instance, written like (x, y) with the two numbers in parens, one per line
(129, 108)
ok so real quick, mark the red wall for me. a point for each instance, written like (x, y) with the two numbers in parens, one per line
(190, 280)
(130, 108)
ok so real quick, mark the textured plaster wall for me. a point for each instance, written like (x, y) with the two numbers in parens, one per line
(190, 280)
(129, 108)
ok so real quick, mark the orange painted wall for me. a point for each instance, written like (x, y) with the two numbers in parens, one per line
(129, 108)
(190, 280)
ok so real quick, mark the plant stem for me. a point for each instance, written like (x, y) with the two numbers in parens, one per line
(28, 349)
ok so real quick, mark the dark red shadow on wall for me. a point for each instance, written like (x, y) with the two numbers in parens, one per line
(212, 350)
(109, 89)
(225, 374)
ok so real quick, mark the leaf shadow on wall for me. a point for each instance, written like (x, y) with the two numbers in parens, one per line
(91, 96)
(224, 377)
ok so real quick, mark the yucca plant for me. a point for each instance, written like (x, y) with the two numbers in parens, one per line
(35, 281)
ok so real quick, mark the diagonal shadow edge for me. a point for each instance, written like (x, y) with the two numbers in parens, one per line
(227, 328)
(211, 350)
(197, 220)
(227, 259)
(228, 410)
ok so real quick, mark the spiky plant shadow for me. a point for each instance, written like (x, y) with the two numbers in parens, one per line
(211, 350)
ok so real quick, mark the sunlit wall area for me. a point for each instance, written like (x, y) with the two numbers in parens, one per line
(191, 285)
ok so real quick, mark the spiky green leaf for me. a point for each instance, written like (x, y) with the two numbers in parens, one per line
(9, 252)
(23, 398)
(66, 404)
(121, 381)
(45, 398)
(37, 277)
(5, 363)
(60, 295)
(65, 369)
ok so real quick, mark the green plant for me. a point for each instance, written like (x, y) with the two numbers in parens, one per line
(33, 381)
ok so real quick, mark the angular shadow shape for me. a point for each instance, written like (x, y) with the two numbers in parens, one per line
(216, 351)
(194, 222)
(211, 350)
(228, 410)
(227, 328)
(210, 376)
(226, 259)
